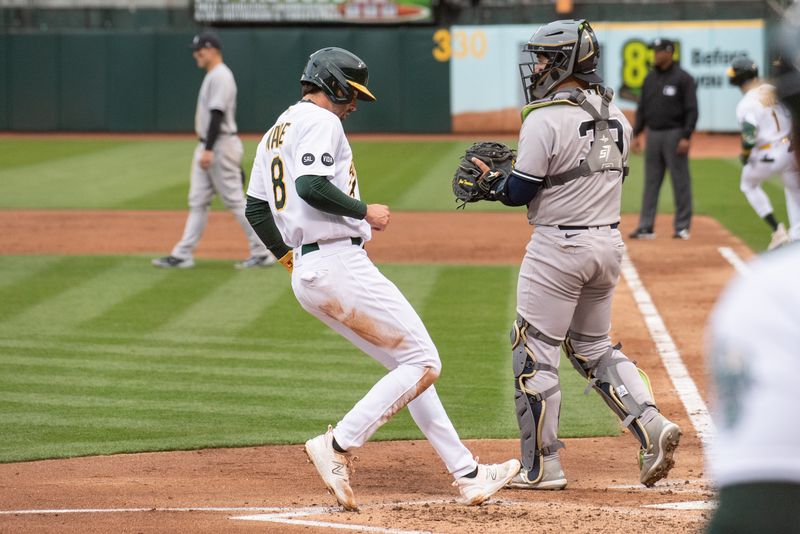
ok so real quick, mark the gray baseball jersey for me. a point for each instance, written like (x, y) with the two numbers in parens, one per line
(218, 91)
(557, 138)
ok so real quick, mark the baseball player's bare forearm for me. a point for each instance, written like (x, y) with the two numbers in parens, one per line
(321, 194)
(260, 217)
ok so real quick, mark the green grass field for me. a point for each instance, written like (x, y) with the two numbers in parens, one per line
(106, 354)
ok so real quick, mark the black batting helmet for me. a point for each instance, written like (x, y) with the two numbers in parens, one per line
(571, 49)
(741, 70)
(338, 73)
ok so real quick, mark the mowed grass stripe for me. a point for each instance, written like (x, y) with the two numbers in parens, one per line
(18, 153)
(57, 402)
(223, 355)
(171, 369)
(98, 179)
(15, 270)
(88, 300)
(35, 449)
(468, 327)
(229, 304)
(46, 284)
(416, 285)
(149, 308)
(232, 387)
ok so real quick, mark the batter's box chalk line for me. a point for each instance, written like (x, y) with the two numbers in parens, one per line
(295, 517)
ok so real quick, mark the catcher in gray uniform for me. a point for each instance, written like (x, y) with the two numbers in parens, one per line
(217, 162)
(573, 150)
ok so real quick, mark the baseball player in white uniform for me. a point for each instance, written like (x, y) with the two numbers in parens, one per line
(217, 163)
(753, 347)
(573, 149)
(305, 179)
(766, 149)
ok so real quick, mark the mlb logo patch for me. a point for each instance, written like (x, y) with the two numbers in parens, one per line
(308, 159)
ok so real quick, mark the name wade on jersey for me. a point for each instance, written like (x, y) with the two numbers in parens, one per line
(275, 137)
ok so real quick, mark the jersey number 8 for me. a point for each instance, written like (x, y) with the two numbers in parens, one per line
(278, 185)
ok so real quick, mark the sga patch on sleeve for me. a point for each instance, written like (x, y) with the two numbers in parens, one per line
(308, 158)
(327, 159)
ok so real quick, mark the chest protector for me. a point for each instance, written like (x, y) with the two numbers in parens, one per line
(604, 154)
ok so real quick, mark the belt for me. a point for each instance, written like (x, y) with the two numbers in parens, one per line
(566, 227)
(313, 247)
(783, 141)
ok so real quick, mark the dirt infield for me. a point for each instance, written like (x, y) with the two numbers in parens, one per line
(401, 485)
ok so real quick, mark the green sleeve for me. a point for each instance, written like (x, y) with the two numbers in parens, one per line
(260, 217)
(748, 135)
(320, 193)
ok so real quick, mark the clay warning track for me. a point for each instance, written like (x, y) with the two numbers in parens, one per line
(400, 485)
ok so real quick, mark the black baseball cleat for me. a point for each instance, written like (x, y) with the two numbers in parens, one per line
(642, 233)
(171, 262)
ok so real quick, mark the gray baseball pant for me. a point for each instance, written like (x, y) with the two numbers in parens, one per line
(660, 155)
(223, 178)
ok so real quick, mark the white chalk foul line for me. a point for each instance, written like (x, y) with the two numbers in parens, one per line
(734, 259)
(687, 505)
(152, 509)
(290, 517)
(681, 379)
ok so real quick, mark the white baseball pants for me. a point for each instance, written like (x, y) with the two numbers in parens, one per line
(764, 164)
(341, 287)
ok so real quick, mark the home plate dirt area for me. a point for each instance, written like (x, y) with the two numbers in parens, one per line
(664, 298)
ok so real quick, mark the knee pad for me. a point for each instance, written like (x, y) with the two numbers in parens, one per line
(604, 377)
(531, 406)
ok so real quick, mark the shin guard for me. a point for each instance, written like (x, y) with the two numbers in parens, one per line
(531, 406)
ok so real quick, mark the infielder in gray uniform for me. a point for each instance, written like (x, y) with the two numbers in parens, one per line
(573, 150)
(217, 163)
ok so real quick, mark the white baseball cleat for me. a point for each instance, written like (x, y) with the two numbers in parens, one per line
(779, 237)
(552, 478)
(489, 480)
(334, 468)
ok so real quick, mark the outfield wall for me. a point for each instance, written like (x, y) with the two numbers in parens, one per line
(704, 49)
(118, 81)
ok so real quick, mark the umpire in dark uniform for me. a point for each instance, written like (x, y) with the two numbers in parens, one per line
(668, 109)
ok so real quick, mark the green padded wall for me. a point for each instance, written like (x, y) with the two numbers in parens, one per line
(148, 81)
(83, 73)
(34, 82)
(4, 82)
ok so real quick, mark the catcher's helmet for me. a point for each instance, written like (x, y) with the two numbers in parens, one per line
(571, 49)
(741, 70)
(338, 73)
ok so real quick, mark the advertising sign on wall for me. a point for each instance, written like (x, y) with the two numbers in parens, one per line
(486, 90)
(317, 11)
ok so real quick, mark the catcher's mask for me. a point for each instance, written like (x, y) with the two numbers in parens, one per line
(569, 48)
(339, 74)
(741, 70)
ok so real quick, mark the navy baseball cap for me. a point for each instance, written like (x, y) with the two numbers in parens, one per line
(205, 40)
(663, 44)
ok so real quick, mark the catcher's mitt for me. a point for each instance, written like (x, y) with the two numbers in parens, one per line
(470, 183)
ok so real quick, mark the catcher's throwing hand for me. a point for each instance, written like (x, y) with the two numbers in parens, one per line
(377, 216)
(480, 169)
